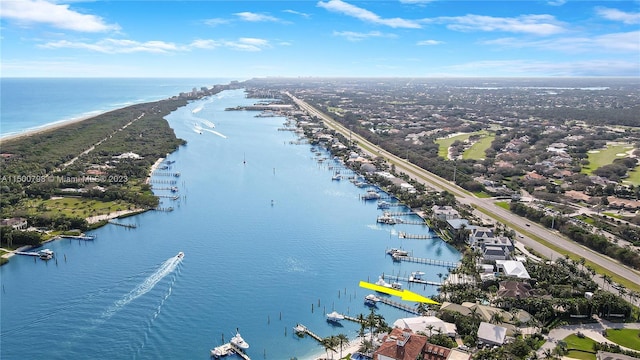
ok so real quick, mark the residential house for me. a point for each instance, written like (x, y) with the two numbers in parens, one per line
(492, 334)
(444, 213)
(512, 268)
(16, 223)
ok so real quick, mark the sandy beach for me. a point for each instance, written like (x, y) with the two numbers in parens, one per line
(46, 128)
(351, 348)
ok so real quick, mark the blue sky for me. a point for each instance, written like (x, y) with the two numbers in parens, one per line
(244, 39)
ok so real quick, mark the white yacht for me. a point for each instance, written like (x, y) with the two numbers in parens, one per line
(335, 316)
(180, 255)
(239, 342)
(371, 300)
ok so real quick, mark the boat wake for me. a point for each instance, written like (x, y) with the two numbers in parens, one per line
(165, 269)
(197, 110)
(215, 132)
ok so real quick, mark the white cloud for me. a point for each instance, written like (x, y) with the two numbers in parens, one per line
(618, 15)
(615, 42)
(255, 17)
(216, 21)
(115, 46)
(123, 46)
(342, 7)
(429, 42)
(358, 36)
(557, 2)
(59, 16)
(529, 24)
(304, 15)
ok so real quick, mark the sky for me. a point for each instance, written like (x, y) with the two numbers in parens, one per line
(342, 38)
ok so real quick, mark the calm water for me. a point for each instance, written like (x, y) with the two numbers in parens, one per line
(29, 103)
(264, 242)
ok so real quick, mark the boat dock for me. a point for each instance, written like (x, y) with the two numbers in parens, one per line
(81, 237)
(130, 226)
(400, 306)
(301, 329)
(413, 279)
(404, 235)
(448, 264)
(228, 349)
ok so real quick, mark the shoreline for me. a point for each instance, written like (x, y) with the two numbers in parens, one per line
(48, 127)
(351, 348)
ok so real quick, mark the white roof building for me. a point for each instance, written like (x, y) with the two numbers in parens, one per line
(491, 334)
(512, 268)
(422, 324)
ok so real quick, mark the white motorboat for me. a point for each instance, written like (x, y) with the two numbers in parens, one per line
(45, 254)
(180, 255)
(220, 351)
(371, 300)
(371, 195)
(239, 342)
(335, 316)
(397, 252)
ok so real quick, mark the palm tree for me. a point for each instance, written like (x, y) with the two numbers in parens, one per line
(430, 328)
(342, 341)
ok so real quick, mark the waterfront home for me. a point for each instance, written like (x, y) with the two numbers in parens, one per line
(426, 324)
(512, 268)
(16, 223)
(491, 334)
(444, 213)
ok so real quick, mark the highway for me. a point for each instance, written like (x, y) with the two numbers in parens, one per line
(522, 226)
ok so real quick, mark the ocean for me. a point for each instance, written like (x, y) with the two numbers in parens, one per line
(30, 103)
(270, 241)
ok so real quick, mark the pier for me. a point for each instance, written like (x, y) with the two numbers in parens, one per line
(400, 306)
(130, 226)
(413, 279)
(301, 329)
(404, 235)
(80, 237)
(447, 264)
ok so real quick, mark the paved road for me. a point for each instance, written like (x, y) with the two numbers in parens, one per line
(520, 225)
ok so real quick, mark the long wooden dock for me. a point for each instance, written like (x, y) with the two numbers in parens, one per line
(448, 264)
(412, 279)
(305, 330)
(81, 237)
(400, 306)
(130, 226)
(404, 235)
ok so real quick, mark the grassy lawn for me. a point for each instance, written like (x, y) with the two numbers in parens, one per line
(76, 207)
(477, 150)
(625, 337)
(504, 204)
(601, 157)
(634, 176)
(482, 194)
(443, 144)
(584, 344)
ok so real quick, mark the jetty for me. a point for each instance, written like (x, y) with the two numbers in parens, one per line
(303, 330)
(447, 264)
(400, 306)
(413, 279)
(130, 226)
(404, 235)
(78, 237)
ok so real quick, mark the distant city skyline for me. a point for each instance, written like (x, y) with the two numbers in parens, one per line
(326, 38)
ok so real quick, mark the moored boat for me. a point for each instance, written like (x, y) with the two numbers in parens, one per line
(239, 342)
(371, 300)
(335, 316)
